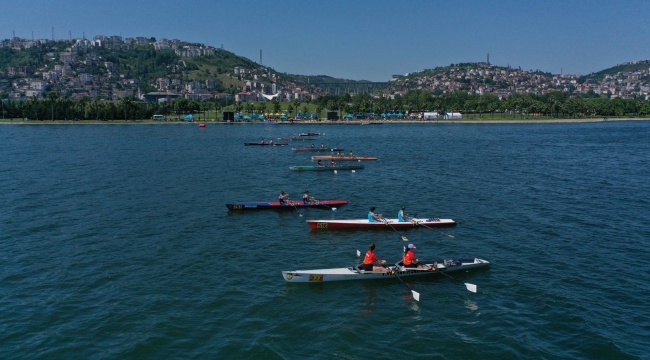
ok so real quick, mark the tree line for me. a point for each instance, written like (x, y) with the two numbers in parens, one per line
(554, 104)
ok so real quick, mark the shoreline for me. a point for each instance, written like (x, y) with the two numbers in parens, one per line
(314, 122)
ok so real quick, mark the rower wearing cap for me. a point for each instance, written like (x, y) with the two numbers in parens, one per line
(320, 163)
(371, 263)
(409, 259)
(401, 216)
(313, 146)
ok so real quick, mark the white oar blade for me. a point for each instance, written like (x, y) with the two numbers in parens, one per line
(470, 287)
(333, 209)
(416, 295)
(358, 253)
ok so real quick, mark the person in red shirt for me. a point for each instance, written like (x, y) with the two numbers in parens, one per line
(409, 259)
(371, 263)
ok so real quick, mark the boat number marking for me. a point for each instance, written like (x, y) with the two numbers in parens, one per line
(322, 225)
(289, 276)
(237, 207)
(314, 277)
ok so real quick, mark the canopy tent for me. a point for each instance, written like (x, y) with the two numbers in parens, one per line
(247, 117)
(348, 116)
(261, 117)
(283, 117)
(189, 117)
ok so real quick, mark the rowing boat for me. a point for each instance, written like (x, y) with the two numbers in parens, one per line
(342, 158)
(315, 149)
(356, 273)
(326, 168)
(309, 134)
(387, 224)
(268, 144)
(289, 205)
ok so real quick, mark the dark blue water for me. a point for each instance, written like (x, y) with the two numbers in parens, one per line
(115, 243)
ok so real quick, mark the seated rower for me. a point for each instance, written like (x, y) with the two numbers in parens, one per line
(320, 163)
(312, 146)
(371, 263)
(262, 141)
(409, 260)
(322, 145)
(401, 216)
(372, 217)
(306, 199)
(283, 198)
(333, 163)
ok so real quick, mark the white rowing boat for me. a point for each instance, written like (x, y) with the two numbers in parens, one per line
(355, 273)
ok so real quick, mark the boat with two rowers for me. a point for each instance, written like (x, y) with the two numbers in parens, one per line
(392, 271)
(326, 168)
(266, 144)
(387, 224)
(343, 158)
(288, 205)
(316, 149)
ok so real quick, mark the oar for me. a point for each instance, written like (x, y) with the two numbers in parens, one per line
(322, 203)
(294, 206)
(416, 295)
(392, 227)
(470, 287)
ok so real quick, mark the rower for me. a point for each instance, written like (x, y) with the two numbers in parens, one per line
(312, 146)
(305, 198)
(372, 217)
(322, 145)
(409, 260)
(401, 216)
(339, 154)
(351, 154)
(333, 163)
(262, 141)
(320, 163)
(271, 141)
(283, 198)
(371, 259)
(294, 136)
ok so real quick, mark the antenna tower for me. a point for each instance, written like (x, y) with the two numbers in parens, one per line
(260, 56)
(52, 33)
(488, 59)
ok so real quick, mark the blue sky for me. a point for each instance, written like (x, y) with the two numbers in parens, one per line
(364, 39)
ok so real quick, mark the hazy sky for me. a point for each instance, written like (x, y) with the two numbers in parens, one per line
(363, 39)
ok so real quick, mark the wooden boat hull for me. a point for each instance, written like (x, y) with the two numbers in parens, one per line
(325, 168)
(265, 144)
(290, 205)
(388, 224)
(315, 149)
(342, 158)
(355, 273)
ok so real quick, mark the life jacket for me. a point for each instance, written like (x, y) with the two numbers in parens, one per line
(369, 259)
(407, 259)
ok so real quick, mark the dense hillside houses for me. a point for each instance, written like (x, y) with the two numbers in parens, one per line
(112, 68)
(483, 78)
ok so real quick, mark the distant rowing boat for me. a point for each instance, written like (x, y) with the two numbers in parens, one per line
(326, 168)
(267, 144)
(316, 149)
(342, 158)
(387, 224)
(288, 205)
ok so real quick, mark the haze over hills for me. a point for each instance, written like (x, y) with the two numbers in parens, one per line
(110, 67)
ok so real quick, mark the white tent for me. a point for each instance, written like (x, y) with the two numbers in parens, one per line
(453, 116)
(431, 116)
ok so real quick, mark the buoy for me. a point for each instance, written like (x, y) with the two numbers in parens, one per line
(201, 125)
